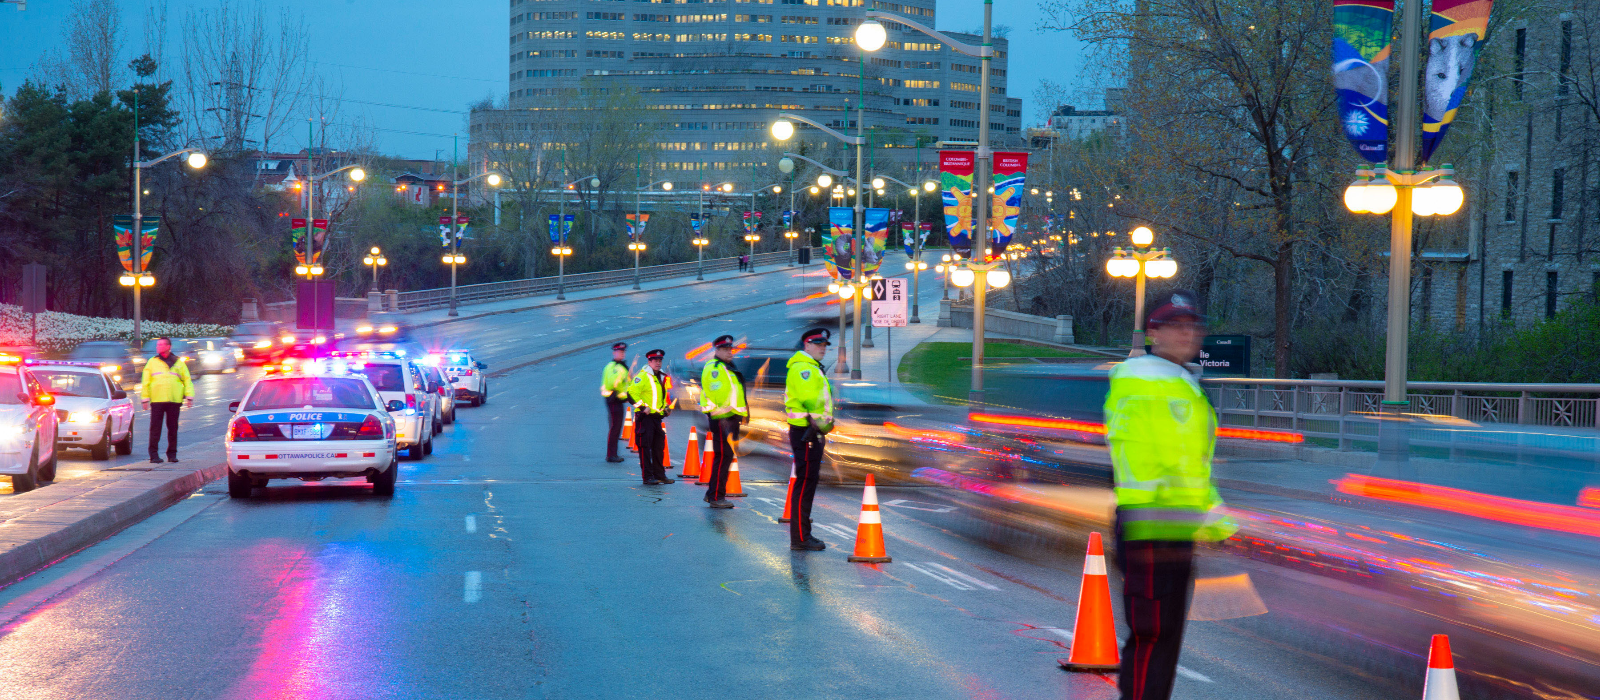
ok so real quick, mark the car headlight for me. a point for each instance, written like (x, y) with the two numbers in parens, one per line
(263, 344)
(387, 329)
(364, 330)
(11, 431)
(82, 417)
(108, 368)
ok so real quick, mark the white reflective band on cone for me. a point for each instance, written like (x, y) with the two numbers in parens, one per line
(1440, 685)
(1094, 565)
(870, 498)
(872, 517)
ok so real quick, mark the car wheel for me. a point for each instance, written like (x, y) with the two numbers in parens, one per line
(483, 397)
(102, 451)
(47, 471)
(450, 417)
(383, 482)
(414, 452)
(23, 483)
(438, 423)
(428, 449)
(125, 445)
(239, 485)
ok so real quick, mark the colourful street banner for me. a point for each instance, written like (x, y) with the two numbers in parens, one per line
(752, 221)
(788, 218)
(838, 244)
(1361, 50)
(635, 231)
(955, 184)
(695, 221)
(122, 226)
(1456, 31)
(297, 239)
(555, 234)
(444, 230)
(1010, 175)
(566, 227)
(877, 239)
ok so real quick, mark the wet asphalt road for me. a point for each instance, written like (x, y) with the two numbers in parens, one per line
(515, 562)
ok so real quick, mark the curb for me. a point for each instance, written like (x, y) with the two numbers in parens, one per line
(52, 532)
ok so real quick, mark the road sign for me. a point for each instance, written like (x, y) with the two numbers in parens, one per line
(1225, 355)
(889, 302)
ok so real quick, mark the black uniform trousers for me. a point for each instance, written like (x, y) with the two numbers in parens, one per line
(164, 411)
(652, 440)
(722, 430)
(614, 428)
(807, 472)
(1156, 578)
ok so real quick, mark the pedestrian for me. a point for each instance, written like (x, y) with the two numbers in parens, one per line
(744, 263)
(808, 406)
(614, 387)
(652, 403)
(1161, 431)
(163, 388)
(722, 400)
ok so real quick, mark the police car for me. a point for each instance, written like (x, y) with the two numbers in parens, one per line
(27, 427)
(400, 382)
(467, 374)
(92, 410)
(323, 420)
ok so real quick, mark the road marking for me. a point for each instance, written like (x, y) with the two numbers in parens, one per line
(835, 530)
(472, 523)
(771, 501)
(472, 588)
(973, 581)
(902, 503)
(946, 580)
(1184, 671)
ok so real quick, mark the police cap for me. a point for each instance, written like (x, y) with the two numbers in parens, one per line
(723, 341)
(1180, 304)
(655, 354)
(619, 346)
(817, 335)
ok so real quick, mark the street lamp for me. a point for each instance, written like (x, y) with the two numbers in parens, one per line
(454, 259)
(374, 259)
(638, 220)
(946, 269)
(561, 250)
(196, 160)
(870, 35)
(777, 188)
(1140, 262)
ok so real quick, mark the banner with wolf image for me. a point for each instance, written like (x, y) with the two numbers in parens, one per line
(955, 187)
(1456, 30)
(1362, 30)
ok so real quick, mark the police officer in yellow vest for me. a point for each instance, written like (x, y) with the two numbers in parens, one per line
(652, 403)
(722, 400)
(164, 385)
(808, 406)
(1161, 431)
(614, 387)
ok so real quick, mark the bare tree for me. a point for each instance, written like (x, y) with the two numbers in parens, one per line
(244, 75)
(92, 43)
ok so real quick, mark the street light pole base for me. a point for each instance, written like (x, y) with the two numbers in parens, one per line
(975, 398)
(915, 319)
(454, 313)
(855, 374)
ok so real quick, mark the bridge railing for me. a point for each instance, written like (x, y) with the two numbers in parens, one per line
(424, 299)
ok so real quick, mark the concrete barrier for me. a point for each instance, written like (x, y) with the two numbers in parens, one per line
(1056, 330)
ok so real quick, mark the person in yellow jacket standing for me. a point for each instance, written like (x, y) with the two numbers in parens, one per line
(1161, 431)
(808, 406)
(651, 392)
(164, 386)
(614, 387)
(722, 400)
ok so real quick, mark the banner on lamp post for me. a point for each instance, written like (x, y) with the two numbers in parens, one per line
(635, 229)
(955, 187)
(695, 222)
(1010, 175)
(877, 227)
(555, 228)
(122, 226)
(298, 239)
(1456, 29)
(1362, 33)
(838, 243)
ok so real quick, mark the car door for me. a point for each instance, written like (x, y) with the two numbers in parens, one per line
(45, 417)
(428, 400)
(121, 407)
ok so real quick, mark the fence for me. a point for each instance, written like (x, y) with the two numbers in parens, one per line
(1051, 330)
(472, 293)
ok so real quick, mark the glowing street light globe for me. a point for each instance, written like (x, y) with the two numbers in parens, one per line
(493, 179)
(666, 187)
(871, 35)
(785, 164)
(962, 277)
(1142, 236)
(1448, 197)
(782, 130)
(1161, 269)
(197, 160)
(877, 183)
(594, 182)
(930, 186)
(357, 175)
(824, 180)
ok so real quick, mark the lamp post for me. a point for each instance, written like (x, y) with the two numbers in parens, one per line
(637, 245)
(752, 238)
(374, 259)
(454, 258)
(139, 278)
(782, 130)
(945, 268)
(871, 36)
(1139, 262)
(561, 250)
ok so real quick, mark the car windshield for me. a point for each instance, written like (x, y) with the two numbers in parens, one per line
(386, 377)
(62, 382)
(99, 351)
(309, 392)
(10, 387)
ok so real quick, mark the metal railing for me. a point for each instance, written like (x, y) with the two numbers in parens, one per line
(1348, 410)
(423, 299)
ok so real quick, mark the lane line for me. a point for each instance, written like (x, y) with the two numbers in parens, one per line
(1184, 671)
(948, 581)
(970, 579)
(472, 587)
(472, 523)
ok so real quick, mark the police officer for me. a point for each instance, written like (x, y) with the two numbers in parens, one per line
(164, 386)
(1161, 432)
(652, 403)
(808, 406)
(614, 387)
(722, 400)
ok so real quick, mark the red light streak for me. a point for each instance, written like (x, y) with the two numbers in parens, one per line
(1100, 428)
(937, 435)
(1262, 435)
(1589, 497)
(1546, 516)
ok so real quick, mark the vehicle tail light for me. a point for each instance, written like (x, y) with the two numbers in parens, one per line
(411, 401)
(241, 430)
(371, 427)
(466, 373)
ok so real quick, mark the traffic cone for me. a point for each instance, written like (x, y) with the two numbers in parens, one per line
(735, 489)
(1094, 634)
(666, 449)
(708, 457)
(869, 530)
(1441, 681)
(788, 499)
(627, 429)
(691, 456)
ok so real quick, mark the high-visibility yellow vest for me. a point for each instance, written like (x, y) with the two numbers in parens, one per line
(614, 380)
(807, 394)
(649, 392)
(721, 391)
(1162, 432)
(165, 383)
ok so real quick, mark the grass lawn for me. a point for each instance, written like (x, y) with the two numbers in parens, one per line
(945, 369)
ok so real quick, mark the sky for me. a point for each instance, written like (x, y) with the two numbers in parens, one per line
(445, 55)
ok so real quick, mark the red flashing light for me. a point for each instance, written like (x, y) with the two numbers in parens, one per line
(411, 400)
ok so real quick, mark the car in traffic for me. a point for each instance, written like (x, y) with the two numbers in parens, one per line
(215, 355)
(313, 423)
(28, 427)
(467, 375)
(259, 341)
(401, 384)
(181, 348)
(114, 357)
(92, 412)
(439, 384)
(383, 328)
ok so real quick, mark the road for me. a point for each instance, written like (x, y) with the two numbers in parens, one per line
(515, 562)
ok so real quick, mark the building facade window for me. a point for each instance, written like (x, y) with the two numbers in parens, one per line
(1511, 195)
(1520, 60)
(1563, 83)
(1505, 293)
(1550, 286)
(1558, 186)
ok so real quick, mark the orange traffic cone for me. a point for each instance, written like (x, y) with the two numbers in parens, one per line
(735, 489)
(708, 457)
(869, 530)
(666, 450)
(627, 429)
(691, 456)
(1441, 681)
(788, 499)
(1094, 634)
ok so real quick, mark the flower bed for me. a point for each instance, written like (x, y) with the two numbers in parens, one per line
(59, 333)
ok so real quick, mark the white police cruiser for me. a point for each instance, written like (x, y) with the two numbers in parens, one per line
(466, 374)
(323, 420)
(93, 412)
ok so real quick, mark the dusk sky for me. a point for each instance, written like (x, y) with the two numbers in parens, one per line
(445, 55)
